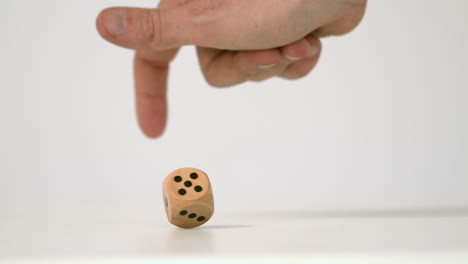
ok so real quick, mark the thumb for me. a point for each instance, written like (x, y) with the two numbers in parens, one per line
(140, 29)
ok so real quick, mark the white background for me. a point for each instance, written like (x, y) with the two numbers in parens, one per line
(382, 122)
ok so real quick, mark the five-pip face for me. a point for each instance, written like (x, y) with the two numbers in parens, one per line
(189, 183)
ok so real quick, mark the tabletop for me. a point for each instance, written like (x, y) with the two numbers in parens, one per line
(119, 233)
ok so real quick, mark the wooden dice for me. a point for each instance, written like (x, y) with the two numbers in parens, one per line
(188, 198)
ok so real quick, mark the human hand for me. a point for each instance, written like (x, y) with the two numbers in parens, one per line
(238, 40)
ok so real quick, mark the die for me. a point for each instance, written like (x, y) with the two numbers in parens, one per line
(188, 198)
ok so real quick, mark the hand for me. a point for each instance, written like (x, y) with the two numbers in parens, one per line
(238, 40)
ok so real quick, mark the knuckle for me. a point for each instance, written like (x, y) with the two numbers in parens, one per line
(298, 75)
(213, 81)
(301, 75)
(217, 84)
(152, 28)
(202, 7)
(259, 78)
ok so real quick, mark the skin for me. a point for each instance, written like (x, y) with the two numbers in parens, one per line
(237, 41)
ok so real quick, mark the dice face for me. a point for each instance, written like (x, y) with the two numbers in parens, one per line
(192, 216)
(188, 198)
(188, 183)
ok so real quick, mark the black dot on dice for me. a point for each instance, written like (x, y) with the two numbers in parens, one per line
(192, 215)
(177, 179)
(193, 175)
(182, 191)
(201, 219)
(198, 188)
(183, 212)
(188, 183)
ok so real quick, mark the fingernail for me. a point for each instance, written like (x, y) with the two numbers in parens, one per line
(114, 21)
(291, 58)
(268, 66)
(312, 50)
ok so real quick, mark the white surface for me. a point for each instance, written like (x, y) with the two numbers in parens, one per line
(139, 233)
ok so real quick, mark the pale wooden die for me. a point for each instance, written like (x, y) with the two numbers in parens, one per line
(188, 198)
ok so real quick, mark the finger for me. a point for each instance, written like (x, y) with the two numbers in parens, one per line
(301, 49)
(223, 68)
(139, 28)
(303, 66)
(293, 53)
(290, 54)
(151, 73)
(227, 68)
